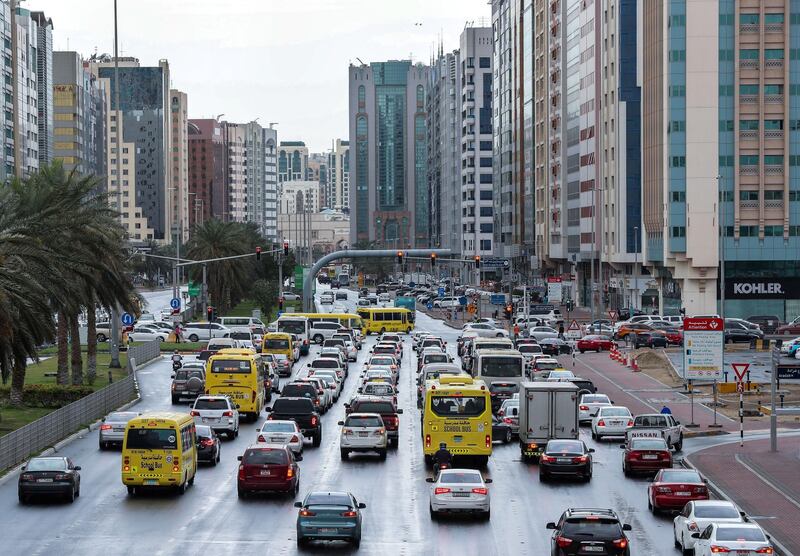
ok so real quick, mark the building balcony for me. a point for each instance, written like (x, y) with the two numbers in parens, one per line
(773, 170)
(773, 64)
(748, 28)
(748, 99)
(773, 134)
(748, 64)
(773, 28)
(773, 99)
(745, 134)
(745, 205)
(773, 204)
(748, 170)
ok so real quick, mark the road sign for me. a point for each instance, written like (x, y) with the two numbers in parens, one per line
(776, 356)
(441, 292)
(462, 300)
(703, 342)
(489, 263)
(612, 315)
(127, 319)
(573, 331)
(740, 387)
(542, 308)
(740, 369)
(498, 299)
(175, 303)
(194, 289)
(429, 305)
(573, 326)
(471, 309)
(298, 277)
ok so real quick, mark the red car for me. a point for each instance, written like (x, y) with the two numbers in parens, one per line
(268, 468)
(671, 489)
(646, 455)
(674, 336)
(596, 343)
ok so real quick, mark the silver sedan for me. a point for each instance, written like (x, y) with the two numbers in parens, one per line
(112, 428)
(459, 491)
(282, 432)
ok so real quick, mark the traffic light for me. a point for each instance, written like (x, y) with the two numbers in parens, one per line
(211, 314)
(477, 261)
(399, 257)
(433, 259)
(258, 253)
(509, 311)
(285, 248)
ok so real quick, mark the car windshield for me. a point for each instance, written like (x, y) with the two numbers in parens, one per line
(680, 476)
(502, 387)
(378, 389)
(509, 367)
(278, 427)
(234, 366)
(595, 398)
(598, 528)
(546, 365)
(325, 363)
(241, 336)
(211, 403)
(458, 406)
(283, 405)
(435, 358)
(648, 444)
(614, 411)
(460, 477)
(373, 407)
(381, 361)
(529, 348)
(203, 430)
(740, 534)
(299, 391)
(564, 446)
(325, 499)
(267, 456)
(151, 439)
(47, 464)
(716, 511)
(360, 421)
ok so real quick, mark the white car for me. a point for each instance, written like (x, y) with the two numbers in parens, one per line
(218, 412)
(147, 334)
(350, 348)
(363, 432)
(336, 352)
(289, 296)
(384, 298)
(542, 332)
(202, 331)
(331, 384)
(611, 421)
(379, 375)
(446, 302)
(282, 432)
(788, 344)
(560, 375)
(332, 373)
(328, 364)
(742, 539)
(326, 298)
(459, 491)
(245, 339)
(589, 404)
(486, 330)
(699, 514)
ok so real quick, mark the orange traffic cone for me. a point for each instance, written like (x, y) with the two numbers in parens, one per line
(634, 366)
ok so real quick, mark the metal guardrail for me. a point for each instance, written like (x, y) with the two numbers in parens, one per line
(144, 352)
(17, 446)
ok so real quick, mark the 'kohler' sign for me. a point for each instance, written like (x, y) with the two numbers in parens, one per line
(772, 288)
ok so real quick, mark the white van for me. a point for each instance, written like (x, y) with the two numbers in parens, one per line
(240, 324)
(202, 331)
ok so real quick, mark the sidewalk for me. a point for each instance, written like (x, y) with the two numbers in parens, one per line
(763, 484)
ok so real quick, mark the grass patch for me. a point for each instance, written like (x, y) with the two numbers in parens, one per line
(12, 418)
(36, 373)
(181, 346)
(243, 309)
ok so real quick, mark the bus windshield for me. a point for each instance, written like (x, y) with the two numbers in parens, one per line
(241, 366)
(292, 326)
(152, 439)
(505, 367)
(458, 406)
(276, 344)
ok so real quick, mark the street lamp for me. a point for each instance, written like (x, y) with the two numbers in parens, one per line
(722, 249)
(635, 300)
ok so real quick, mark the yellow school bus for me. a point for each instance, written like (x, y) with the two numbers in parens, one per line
(159, 450)
(280, 343)
(458, 412)
(238, 374)
(348, 320)
(385, 319)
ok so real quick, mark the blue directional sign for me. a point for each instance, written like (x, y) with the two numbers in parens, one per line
(429, 305)
(175, 303)
(441, 292)
(463, 300)
(498, 299)
(127, 319)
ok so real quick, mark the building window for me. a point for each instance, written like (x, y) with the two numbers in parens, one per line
(726, 125)
(677, 91)
(677, 126)
(773, 18)
(748, 231)
(486, 211)
(748, 160)
(677, 55)
(678, 162)
(773, 160)
(678, 196)
(486, 245)
(748, 90)
(773, 124)
(773, 89)
(748, 54)
(679, 231)
(773, 195)
(773, 54)
(486, 194)
(773, 231)
(748, 195)
(748, 125)
(748, 19)
(484, 62)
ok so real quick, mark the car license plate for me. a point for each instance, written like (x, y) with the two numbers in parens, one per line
(683, 493)
(363, 433)
(118, 429)
(615, 422)
(266, 473)
(327, 530)
(649, 456)
(461, 495)
(563, 460)
(44, 480)
(592, 548)
(151, 482)
(211, 419)
(276, 439)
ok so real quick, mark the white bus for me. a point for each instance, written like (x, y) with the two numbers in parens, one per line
(299, 326)
(499, 365)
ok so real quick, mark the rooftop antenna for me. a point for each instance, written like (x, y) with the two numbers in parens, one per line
(362, 62)
(272, 124)
(219, 116)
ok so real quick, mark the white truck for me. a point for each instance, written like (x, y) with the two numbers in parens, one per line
(547, 410)
(657, 425)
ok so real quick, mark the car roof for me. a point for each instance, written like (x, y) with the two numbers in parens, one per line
(266, 446)
(368, 398)
(578, 512)
(364, 414)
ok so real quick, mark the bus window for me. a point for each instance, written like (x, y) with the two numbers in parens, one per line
(458, 406)
(231, 366)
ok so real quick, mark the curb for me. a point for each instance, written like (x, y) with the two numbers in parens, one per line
(719, 493)
(699, 434)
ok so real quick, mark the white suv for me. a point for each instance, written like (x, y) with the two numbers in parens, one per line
(444, 302)
(202, 331)
(218, 412)
(322, 330)
(363, 432)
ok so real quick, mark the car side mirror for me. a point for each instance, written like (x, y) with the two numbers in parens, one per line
(340, 423)
(627, 527)
(361, 505)
(298, 457)
(550, 525)
(239, 458)
(591, 450)
(77, 468)
(267, 409)
(695, 535)
(677, 422)
(298, 504)
(399, 411)
(487, 480)
(622, 446)
(347, 405)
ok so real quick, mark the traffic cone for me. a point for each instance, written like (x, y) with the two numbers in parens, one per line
(634, 366)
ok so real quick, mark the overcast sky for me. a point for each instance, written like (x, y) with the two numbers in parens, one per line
(281, 61)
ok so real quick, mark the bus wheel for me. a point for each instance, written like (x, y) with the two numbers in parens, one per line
(408, 330)
(182, 488)
(191, 481)
(383, 330)
(481, 461)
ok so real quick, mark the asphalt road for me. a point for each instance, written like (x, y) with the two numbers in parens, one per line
(210, 519)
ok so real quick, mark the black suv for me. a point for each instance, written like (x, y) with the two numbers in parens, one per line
(304, 390)
(302, 412)
(589, 531)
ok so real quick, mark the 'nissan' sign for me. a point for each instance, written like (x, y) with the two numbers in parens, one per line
(769, 288)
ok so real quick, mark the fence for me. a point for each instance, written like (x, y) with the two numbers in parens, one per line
(34, 437)
(145, 352)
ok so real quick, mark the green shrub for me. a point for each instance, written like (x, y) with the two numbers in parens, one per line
(48, 395)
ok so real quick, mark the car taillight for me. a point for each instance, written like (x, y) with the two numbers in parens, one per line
(427, 441)
(26, 477)
(176, 468)
(295, 438)
(481, 490)
(173, 386)
(61, 477)
(765, 550)
(664, 490)
(563, 542)
(584, 408)
(544, 458)
(306, 513)
(314, 421)
(227, 413)
(208, 442)
(347, 432)
(488, 440)
(630, 422)
(379, 432)
(621, 543)
(666, 455)
(105, 427)
(580, 459)
(601, 423)
(692, 526)
(126, 460)
(316, 402)
(700, 490)
(441, 490)
(270, 417)
(241, 471)
(289, 473)
(719, 549)
(195, 413)
(349, 513)
(507, 420)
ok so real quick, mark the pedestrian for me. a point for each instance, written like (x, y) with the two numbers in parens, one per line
(516, 330)
(178, 338)
(666, 411)
(561, 330)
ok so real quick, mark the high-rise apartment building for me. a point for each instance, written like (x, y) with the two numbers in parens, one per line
(146, 123)
(255, 168)
(318, 171)
(178, 196)
(388, 167)
(44, 84)
(270, 140)
(292, 161)
(235, 172)
(337, 194)
(26, 95)
(299, 196)
(79, 117)
(208, 191)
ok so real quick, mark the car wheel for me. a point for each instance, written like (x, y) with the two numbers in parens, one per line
(301, 542)
(434, 515)
(319, 339)
(679, 444)
(71, 496)
(131, 491)
(594, 435)
(357, 541)
(581, 350)
(241, 493)
(317, 439)
(193, 338)
(382, 454)
(542, 477)
(650, 506)
(625, 470)
(24, 499)
(101, 338)
(344, 454)
(676, 541)
(487, 515)
(182, 488)
(160, 339)
(175, 400)
(507, 439)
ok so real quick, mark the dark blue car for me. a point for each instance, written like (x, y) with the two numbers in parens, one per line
(329, 516)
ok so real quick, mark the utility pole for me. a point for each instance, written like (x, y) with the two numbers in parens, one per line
(635, 300)
(114, 348)
(722, 253)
